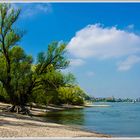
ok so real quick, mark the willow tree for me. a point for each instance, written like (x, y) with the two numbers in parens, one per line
(16, 76)
(9, 37)
(20, 78)
(47, 76)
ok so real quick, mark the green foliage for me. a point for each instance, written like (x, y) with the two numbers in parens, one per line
(53, 59)
(21, 74)
(71, 95)
(21, 81)
(9, 35)
(3, 94)
(8, 38)
(49, 83)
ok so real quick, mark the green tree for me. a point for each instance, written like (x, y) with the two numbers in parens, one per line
(53, 59)
(23, 81)
(72, 95)
(16, 75)
(9, 37)
(47, 76)
(20, 76)
(49, 84)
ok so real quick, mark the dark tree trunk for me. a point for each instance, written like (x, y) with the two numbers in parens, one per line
(18, 109)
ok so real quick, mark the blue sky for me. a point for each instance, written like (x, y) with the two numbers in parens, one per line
(103, 42)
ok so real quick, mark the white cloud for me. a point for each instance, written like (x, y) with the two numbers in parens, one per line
(76, 62)
(102, 43)
(128, 63)
(90, 73)
(29, 10)
(46, 8)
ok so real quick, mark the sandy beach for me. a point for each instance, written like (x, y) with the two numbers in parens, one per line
(16, 125)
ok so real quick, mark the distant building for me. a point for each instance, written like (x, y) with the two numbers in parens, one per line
(138, 100)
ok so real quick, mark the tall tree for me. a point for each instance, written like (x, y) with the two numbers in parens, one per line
(19, 78)
(47, 76)
(9, 36)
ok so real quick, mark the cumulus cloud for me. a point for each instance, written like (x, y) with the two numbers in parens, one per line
(76, 62)
(128, 63)
(97, 41)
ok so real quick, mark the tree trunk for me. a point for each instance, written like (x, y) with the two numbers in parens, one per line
(20, 109)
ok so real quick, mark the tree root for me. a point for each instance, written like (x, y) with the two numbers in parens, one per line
(18, 109)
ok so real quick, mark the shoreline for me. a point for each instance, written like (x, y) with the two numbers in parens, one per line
(17, 125)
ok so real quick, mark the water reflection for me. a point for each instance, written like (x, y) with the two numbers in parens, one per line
(72, 116)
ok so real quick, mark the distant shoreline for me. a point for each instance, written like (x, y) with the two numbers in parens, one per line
(16, 125)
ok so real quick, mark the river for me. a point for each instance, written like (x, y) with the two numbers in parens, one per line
(118, 119)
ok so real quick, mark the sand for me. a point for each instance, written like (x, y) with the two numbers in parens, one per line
(15, 125)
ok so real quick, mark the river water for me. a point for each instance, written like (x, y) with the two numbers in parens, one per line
(118, 119)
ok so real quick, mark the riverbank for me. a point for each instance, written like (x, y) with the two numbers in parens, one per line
(16, 125)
